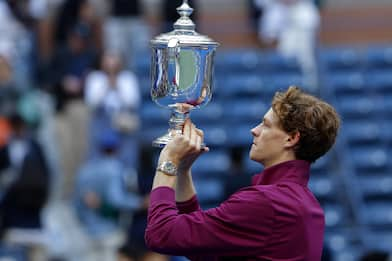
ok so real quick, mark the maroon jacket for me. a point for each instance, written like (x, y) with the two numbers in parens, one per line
(277, 218)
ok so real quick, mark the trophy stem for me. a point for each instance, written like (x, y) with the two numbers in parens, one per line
(177, 120)
(176, 123)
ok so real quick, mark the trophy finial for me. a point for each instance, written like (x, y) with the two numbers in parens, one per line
(184, 22)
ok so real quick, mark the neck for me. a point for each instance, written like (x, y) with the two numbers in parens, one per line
(283, 158)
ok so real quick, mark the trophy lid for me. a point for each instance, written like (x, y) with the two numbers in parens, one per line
(184, 31)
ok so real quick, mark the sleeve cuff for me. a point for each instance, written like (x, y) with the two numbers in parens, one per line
(162, 194)
(189, 205)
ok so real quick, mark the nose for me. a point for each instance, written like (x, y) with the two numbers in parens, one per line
(254, 131)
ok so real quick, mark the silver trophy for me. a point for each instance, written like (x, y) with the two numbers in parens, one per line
(181, 71)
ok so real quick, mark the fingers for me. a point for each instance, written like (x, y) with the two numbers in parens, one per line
(193, 136)
(200, 133)
(186, 130)
(197, 140)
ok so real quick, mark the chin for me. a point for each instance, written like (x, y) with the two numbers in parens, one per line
(252, 156)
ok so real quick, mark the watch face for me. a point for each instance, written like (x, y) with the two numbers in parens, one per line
(169, 168)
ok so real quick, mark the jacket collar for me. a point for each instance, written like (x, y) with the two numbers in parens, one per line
(296, 171)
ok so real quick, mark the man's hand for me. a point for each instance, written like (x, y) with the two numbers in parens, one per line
(184, 149)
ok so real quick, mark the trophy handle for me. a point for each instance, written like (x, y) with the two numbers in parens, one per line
(173, 51)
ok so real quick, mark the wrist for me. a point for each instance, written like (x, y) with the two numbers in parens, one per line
(161, 179)
(167, 167)
(183, 171)
(164, 157)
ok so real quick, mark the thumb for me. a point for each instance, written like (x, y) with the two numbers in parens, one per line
(205, 149)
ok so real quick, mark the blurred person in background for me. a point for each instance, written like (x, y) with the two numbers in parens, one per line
(81, 13)
(255, 12)
(25, 180)
(376, 255)
(327, 253)
(125, 253)
(75, 56)
(70, 66)
(9, 93)
(276, 218)
(113, 96)
(9, 97)
(293, 25)
(105, 189)
(15, 39)
(126, 31)
(5, 131)
(129, 253)
(135, 245)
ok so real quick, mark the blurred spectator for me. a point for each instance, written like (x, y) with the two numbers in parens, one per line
(255, 12)
(128, 253)
(69, 69)
(113, 95)
(11, 29)
(327, 253)
(125, 253)
(43, 32)
(24, 170)
(9, 94)
(320, 4)
(170, 14)
(15, 43)
(14, 99)
(105, 188)
(126, 31)
(294, 25)
(77, 46)
(71, 64)
(5, 131)
(272, 21)
(376, 256)
(21, 11)
(78, 13)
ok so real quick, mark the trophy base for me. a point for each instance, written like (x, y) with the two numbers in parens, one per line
(161, 141)
(165, 139)
(178, 117)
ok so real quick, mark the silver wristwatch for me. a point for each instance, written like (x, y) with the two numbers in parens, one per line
(168, 168)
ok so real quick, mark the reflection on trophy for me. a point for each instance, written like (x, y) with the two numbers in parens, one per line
(181, 71)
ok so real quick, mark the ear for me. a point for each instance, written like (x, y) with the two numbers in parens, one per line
(292, 139)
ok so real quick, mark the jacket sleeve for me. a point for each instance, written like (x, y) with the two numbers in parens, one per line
(188, 206)
(240, 226)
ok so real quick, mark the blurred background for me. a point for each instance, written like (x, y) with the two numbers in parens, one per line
(77, 119)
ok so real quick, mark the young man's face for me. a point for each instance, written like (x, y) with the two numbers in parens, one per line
(269, 141)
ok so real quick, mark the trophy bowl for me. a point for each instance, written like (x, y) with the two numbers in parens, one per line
(181, 72)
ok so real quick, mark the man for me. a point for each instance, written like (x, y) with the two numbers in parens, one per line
(276, 218)
(25, 174)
